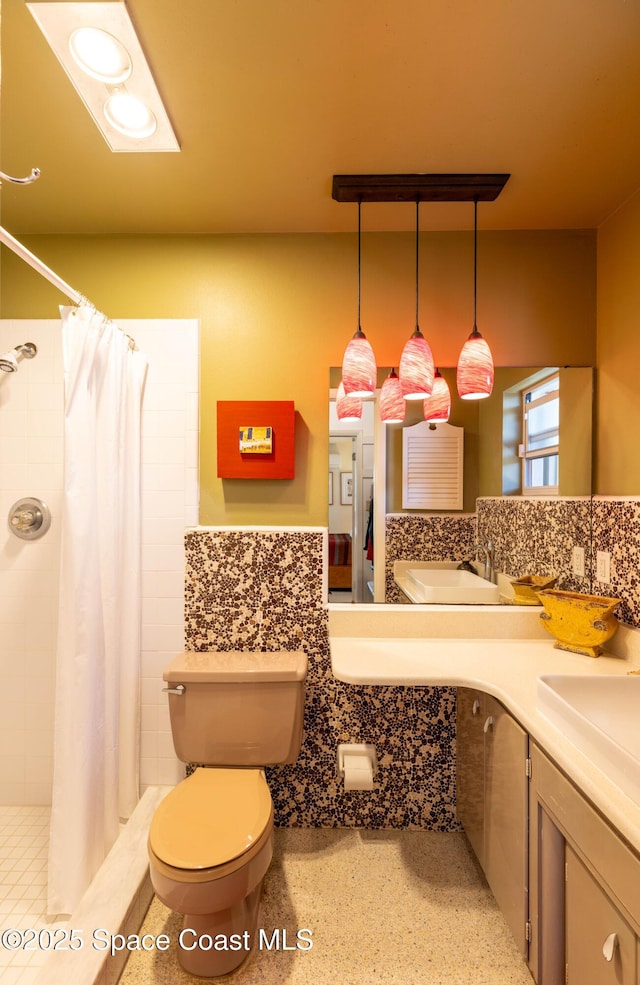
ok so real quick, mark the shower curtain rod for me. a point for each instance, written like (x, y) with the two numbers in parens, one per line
(16, 247)
(20, 250)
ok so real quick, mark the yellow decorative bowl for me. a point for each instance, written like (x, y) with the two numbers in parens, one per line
(526, 589)
(580, 623)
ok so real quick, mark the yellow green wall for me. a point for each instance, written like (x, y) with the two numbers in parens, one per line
(277, 310)
(617, 458)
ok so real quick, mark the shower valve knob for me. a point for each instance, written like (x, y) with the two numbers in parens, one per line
(29, 518)
(25, 519)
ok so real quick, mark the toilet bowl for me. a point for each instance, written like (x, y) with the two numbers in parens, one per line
(211, 839)
(210, 845)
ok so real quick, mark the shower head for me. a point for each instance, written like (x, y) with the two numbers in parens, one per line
(9, 361)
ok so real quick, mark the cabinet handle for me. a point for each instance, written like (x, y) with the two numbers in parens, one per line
(488, 724)
(476, 708)
(609, 947)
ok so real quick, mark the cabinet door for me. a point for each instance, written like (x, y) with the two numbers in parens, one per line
(506, 816)
(600, 945)
(470, 767)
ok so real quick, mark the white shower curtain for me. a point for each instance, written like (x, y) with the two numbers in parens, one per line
(95, 778)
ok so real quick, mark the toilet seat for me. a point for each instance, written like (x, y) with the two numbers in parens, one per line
(216, 819)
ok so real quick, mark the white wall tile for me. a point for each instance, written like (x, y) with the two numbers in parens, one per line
(44, 476)
(164, 396)
(45, 450)
(170, 771)
(163, 612)
(162, 584)
(31, 455)
(13, 450)
(12, 476)
(149, 745)
(46, 397)
(148, 707)
(154, 636)
(164, 450)
(191, 486)
(11, 769)
(163, 530)
(167, 423)
(156, 503)
(163, 478)
(192, 514)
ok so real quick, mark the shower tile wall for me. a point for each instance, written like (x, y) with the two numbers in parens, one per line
(265, 589)
(31, 455)
(30, 465)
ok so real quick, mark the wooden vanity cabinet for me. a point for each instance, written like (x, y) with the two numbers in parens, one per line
(600, 945)
(584, 888)
(491, 798)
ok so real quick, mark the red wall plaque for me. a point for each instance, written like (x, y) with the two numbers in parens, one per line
(276, 414)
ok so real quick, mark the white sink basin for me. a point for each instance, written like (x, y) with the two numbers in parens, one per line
(601, 716)
(424, 584)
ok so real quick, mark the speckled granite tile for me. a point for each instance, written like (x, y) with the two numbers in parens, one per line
(413, 730)
(537, 535)
(229, 606)
(232, 567)
(616, 529)
(399, 908)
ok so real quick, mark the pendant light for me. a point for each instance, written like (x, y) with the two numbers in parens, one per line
(348, 407)
(416, 362)
(392, 403)
(475, 363)
(437, 407)
(359, 374)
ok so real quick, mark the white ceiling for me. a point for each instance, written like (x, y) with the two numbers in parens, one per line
(270, 98)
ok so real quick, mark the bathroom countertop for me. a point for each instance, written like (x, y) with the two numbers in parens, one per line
(508, 669)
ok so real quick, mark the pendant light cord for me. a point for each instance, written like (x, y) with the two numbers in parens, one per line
(475, 261)
(359, 248)
(417, 257)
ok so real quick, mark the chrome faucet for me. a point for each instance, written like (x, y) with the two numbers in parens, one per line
(487, 550)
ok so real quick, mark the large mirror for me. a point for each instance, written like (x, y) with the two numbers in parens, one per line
(532, 436)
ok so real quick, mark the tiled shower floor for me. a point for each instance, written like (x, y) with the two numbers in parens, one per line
(24, 837)
(384, 907)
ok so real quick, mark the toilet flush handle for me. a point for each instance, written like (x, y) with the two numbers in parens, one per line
(178, 689)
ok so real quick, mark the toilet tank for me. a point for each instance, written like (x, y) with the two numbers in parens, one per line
(237, 709)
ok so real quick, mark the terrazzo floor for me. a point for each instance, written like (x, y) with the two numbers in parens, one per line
(384, 908)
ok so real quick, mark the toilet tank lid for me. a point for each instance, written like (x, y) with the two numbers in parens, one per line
(233, 666)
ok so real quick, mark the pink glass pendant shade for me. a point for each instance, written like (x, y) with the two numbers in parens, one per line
(359, 367)
(392, 405)
(416, 368)
(348, 407)
(437, 407)
(474, 377)
(475, 368)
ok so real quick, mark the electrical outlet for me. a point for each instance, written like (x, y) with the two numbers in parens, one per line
(577, 561)
(603, 567)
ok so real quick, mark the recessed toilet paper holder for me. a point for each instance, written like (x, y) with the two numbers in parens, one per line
(357, 763)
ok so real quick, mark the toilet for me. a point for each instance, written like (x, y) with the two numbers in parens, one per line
(211, 838)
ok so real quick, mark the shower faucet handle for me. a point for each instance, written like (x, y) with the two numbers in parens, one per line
(29, 518)
(23, 519)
